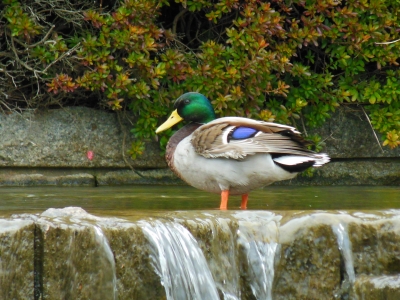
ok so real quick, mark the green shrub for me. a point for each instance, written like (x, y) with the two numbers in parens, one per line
(38, 40)
(282, 61)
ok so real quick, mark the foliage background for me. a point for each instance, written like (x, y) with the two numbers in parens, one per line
(285, 61)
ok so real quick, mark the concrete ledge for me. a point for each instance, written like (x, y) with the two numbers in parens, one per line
(121, 177)
(352, 172)
(47, 180)
(345, 172)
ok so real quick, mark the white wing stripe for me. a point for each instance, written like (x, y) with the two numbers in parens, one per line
(225, 133)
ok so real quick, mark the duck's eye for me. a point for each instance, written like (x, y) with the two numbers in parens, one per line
(187, 101)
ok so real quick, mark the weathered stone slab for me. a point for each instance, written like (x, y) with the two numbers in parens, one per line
(309, 266)
(76, 261)
(158, 176)
(376, 246)
(358, 172)
(377, 288)
(382, 172)
(88, 257)
(47, 180)
(136, 277)
(62, 137)
(16, 259)
(348, 134)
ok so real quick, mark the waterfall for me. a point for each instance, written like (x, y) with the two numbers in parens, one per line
(184, 271)
(107, 260)
(223, 253)
(258, 236)
(344, 245)
(179, 262)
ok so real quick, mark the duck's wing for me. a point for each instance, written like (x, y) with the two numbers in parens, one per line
(236, 138)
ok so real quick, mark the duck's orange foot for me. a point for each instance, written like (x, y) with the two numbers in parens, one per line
(224, 200)
(245, 197)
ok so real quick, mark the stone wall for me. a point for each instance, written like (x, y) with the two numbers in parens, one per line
(51, 147)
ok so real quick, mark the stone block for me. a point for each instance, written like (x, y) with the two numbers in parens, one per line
(356, 172)
(121, 177)
(309, 266)
(135, 273)
(348, 134)
(377, 288)
(46, 179)
(17, 259)
(62, 138)
(376, 249)
(76, 260)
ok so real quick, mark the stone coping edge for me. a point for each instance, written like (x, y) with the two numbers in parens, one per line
(380, 172)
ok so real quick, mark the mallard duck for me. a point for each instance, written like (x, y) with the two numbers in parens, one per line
(232, 155)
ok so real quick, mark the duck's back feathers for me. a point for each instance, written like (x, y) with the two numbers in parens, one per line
(235, 138)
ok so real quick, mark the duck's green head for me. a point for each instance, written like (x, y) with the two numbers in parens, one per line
(193, 107)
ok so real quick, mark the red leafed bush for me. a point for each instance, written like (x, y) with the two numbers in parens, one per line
(274, 60)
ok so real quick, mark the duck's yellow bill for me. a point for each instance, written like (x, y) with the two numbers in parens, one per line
(173, 119)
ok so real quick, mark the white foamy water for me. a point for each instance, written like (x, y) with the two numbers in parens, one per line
(344, 245)
(258, 237)
(179, 262)
(107, 260)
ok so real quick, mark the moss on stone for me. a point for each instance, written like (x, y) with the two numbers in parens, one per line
(16, 259)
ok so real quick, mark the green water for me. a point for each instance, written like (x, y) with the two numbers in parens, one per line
(119, 200)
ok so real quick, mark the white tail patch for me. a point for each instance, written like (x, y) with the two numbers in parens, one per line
(292, 160)
(321, 159)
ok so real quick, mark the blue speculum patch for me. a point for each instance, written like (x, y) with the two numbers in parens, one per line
(243, 133)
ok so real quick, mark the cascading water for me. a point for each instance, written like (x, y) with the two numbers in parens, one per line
(179, 262)
(107, 260)
(344, 245)
(258, 236)
(222, 254)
